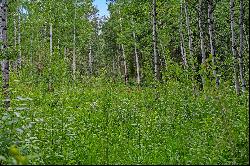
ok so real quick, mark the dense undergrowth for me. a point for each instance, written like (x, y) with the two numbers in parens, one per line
(100, 122)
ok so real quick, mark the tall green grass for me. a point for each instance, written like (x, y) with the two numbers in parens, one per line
(98, 122)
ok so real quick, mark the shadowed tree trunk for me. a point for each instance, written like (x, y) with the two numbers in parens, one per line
(183, 51)
(211, 39)
(241, 47)
(19, 59)
(157, 72)
(5, 61)
(202, 38)
(124, 55)
(236, 65)
(50, 58)
(138, 78)
(90, 61)
(74, 47)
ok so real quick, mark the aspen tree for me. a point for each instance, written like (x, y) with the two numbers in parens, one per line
(236, 65)
(183, 51)
(241, 47)
(155, 52)
(202, 37)
(211, 39)
(5, 61)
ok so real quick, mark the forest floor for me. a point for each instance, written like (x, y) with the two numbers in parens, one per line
(109, 123)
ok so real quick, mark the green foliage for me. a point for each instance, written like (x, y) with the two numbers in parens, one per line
(96, 119)
(98, 122)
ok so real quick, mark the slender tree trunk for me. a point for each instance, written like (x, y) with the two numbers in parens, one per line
(74, 48)
(202, 38)
(15, 33)
(183, 51)
(5, 61)
(190, 41)
(90, 61)
(211, 38)
(138, 78)
(236, 65)
(156, 57)
(19, 59)
(125, 65)
(15, 40)
(50, 58)
(124, 57)
(51, 42)
(190, 44)
(241, 47)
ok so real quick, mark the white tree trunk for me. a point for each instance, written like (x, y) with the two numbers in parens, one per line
(241, 47)
(50, 58)
(202, 38)
(211, 38)
(236, 65)
(5, 61)
(124, 56)
(74, 48)
(51, 41)
(15, 33)
(19, 59)
(90, 61)
(138, 78)
(183, 51)
(155, 52)
(190, 41)
(125, 65)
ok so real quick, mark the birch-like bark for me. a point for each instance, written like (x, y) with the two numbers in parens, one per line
(236, 65)
(202, 38)
(74, 48)
(125, 65)
(138, 77)
(5, 61)
(211, 38)
(183, 51)
(15, 33)
(190, 41)
(90, 61)
(50, 58)
(124, 56)
(243, 83)
(51, 41)
(19, 59)
(156, 57)
(15, 40)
